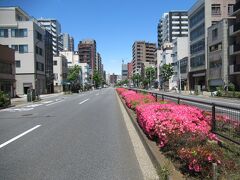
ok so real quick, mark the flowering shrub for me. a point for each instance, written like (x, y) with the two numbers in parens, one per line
(120, 90)
(161, 120)
(199, 159)
(181, 131)
(134, 99)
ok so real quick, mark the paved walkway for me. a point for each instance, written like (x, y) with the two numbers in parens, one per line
(23, 99)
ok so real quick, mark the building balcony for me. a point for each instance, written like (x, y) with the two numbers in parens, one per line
(236, 8)
(234, 69)
(234, 49)
(234, 29)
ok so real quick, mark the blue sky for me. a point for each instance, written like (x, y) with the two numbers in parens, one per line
(114, 24)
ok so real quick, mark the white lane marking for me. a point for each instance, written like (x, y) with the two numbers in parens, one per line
(33, 105)
(54, 103)
(16, 109)
(47, 102)
(97, 94)
(20, 135)
(84, 101)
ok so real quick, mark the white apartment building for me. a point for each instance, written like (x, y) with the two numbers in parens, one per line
(180, 52)
(202, 15)
(60, 70)
(72, 57)
(26, 37)
(166, 58)
(54, 27)
(172, 25)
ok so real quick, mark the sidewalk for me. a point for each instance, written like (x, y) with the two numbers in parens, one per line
(23, 99)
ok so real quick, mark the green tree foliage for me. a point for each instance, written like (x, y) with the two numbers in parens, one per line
(74, 78)
(97, 78)
(166, 72)
(150, 75)
(73, 73)
(136, 78)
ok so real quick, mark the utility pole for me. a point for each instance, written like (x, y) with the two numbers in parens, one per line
(179, 76)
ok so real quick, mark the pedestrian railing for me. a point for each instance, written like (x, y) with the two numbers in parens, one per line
(225, 118)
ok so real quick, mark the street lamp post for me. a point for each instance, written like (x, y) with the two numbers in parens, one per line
(179, 76)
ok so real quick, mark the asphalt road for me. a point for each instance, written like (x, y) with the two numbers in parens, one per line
(80, 136)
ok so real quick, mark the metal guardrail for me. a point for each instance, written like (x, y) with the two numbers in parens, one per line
(225, 119)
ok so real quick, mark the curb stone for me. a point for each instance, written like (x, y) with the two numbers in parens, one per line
(157, 158)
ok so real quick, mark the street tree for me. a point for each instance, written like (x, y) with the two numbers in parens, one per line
(136, 78)
(74, 77)
(150, 73)
(97, 79)
(166, 72)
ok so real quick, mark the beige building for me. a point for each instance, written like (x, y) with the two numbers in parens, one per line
(60, 70)
(26, 37)
(202, 15)
(218, 54)
(7, 70)
(143, 52)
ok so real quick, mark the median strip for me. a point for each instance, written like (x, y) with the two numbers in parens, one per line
(84, 101)
(20, 135)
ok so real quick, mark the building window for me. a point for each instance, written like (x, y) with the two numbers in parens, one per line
(39, 50)
(4, 33)
(23, 48)
(55, 63)
(216, 9)
(39, 36)
(18, 63)
(230, 9)
(19, 32)
(40, 66)
(198, 61)
(15, 47)
(215, 47)
(214, 34)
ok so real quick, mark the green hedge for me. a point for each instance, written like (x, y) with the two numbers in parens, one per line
(4, 100)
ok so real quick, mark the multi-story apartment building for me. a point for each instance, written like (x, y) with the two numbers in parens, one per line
(180, 55)
(87, 54)
(98, 62)
(218, 54)
(130, 70)
(113, 79)
(54, 27)
(124, 71)
(68, 42)
(26, 37)
(202, 15)
(72, 57)
(71, 44)
(49, 62)
(234, 63)
(7, 70)
(60, 70)
(142, 52)
(172, 25)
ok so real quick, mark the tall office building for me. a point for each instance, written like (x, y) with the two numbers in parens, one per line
(172, 25)
(54, 27)
(87, 53)
(71, 44)
(124, 71)
(202, 15)
(142, 52)
(68, 42)
(234, 64)
(26, 37)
